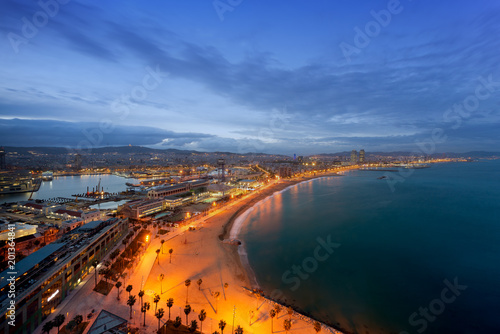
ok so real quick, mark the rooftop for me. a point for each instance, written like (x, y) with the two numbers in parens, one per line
(30, 261)
(107, 322)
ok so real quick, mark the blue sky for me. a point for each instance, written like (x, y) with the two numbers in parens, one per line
(245, 76)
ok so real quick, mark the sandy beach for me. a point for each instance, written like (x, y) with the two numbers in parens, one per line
(197, 254)
(202, 254)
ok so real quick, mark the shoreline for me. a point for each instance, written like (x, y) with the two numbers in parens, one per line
(227, 228)
(232, 228)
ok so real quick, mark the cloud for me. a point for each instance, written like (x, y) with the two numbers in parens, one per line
(19, 132)
(398, 89)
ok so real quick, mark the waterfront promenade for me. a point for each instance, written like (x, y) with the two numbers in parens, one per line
(196, 254)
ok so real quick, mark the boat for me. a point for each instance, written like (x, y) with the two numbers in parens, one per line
(18, 182)
(47, 176)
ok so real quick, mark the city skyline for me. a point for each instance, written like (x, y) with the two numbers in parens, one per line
(251, 76)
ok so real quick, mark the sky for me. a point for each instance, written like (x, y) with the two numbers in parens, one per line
(243, 76)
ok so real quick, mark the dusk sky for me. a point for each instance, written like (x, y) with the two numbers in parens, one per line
(285, 77)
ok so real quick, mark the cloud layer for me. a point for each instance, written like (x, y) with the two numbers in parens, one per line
(251, 81)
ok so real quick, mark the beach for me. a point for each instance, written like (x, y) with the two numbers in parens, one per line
(204, 253)
(199, 253)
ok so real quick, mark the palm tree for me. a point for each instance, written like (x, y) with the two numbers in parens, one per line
(289, 309)
(272, 314)
(141, 294)
(162, 242)
(95, 264)
(106, 272)
(159, 314)
(225, 288)
(194, 326)
(287, 324)
(199, 283)
(170, 303)
(118, 285)
(317, 327)
(222, 325)
(187, 310)
(78, 319)
(158, 255)
(177, 322)
(202, 316)
(123, 275)
(277, 308)
(131, 302)
(58, 321)
(216, 295)
(156, 300)
(170, 251)
(128, 289)
(238, 330)
(71, 325)
(187, 283)
(47, 327)
(145, 307)
(160, 278)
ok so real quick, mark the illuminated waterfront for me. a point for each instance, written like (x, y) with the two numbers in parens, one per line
(395, 248)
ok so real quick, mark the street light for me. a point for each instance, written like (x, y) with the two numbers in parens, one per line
(234, 314)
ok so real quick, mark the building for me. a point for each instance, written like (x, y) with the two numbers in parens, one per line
(38, 208)
(249, 184)
(142, 208)
(71, 224)
(160, 192)
(354, 157)
(3, 162)
(28, 244)
(44, 278)
(78, 162)
(285, 171)
(21, 230)
(172, 202)
(86, 217)
(361, 156)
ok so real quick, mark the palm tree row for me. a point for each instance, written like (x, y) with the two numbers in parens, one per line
(159, 313)
(59, 320)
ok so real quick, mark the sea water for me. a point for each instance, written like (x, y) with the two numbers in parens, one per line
(418, 256)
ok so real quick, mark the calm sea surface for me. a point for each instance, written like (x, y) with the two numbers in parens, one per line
(397, 252)
(69, 185)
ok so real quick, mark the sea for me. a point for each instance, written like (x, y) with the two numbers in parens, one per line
(66, 186)
(417, 252)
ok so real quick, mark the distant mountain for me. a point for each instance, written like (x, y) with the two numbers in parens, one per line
(147, 150)
(122, 150)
